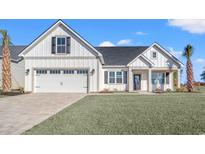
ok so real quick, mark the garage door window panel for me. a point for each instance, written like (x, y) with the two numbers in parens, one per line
(41, 71)
(68, 72)
(55, 71)
(82, 72)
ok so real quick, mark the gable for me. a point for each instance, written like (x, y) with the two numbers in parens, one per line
(41, 47)
(162, 59)
(140, 62)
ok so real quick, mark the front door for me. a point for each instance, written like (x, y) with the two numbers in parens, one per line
(137, 81)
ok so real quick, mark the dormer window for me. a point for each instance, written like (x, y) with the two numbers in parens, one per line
(61, 45)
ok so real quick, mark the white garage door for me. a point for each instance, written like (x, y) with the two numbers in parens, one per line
(60, 80)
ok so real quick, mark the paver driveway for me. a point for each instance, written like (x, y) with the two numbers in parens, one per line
(19, 113)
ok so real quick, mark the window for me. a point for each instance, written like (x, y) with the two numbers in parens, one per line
(154, 55)
(158, 78)
(167, 77)
(55, 71)
(41, 71)
(68, 71)
(119, 78)
(115, 77)
(61, 45)
(111, 77)
(82, 71)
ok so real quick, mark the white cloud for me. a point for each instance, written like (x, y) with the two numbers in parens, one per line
(124, 42)
(200, 61)
(140, 33)
(194, 26)
(177, 54)
(106, 44)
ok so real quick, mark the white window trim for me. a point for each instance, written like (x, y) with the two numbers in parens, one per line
(115, 77)
(152, 55)
(61, 45)
(120, 75)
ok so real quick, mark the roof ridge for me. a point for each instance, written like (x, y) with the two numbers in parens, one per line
(118, 46)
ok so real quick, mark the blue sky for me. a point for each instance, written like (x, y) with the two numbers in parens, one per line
(173, 35)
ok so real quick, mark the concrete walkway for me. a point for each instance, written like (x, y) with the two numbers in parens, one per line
(20, 113)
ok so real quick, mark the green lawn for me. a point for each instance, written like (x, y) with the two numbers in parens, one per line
(173, 113)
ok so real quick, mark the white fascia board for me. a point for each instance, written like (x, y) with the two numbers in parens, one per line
(168, 53)
(22, 54)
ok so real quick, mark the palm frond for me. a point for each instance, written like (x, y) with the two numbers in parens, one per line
(5, 37)
(188, 51)
(10, 42)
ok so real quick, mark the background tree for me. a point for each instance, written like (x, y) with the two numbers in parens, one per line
(6, 69)
(188, 52)
(203, 75)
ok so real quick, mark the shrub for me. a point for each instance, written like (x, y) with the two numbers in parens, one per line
(169, 90)
(21, 89)
(158, 90)
(105, 91)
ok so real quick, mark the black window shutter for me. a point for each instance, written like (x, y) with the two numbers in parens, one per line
(125, 77)
(106, 77)
(68, 45)
(53, 45)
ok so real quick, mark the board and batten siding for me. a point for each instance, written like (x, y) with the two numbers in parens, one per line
(17, 74)
(112, 87)
(80, 56)
(43, 48)
(162, 60)
(139, 62)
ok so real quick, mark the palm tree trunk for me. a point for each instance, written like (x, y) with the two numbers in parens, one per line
(6, 71)
(189, 76)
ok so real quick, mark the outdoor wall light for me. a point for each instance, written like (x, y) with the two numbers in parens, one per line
(27, 71)
(92, 71)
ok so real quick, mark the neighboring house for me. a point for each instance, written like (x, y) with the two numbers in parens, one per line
(60, 60)
(17, 67)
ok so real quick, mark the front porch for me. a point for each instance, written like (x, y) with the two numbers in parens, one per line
(152, 79)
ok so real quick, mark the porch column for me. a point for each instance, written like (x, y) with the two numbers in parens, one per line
(178, 78)
(150, 80)
(130, 80)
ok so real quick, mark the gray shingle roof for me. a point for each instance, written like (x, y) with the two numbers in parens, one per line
(14, 51)
(120, 55)
(111, 55)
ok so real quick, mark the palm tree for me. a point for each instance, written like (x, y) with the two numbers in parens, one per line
(6, 70)
(188, 51)
(203, 75)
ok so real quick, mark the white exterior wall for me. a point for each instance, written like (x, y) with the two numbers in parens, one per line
(79, 57)
(139, 62)
(162, 60)
(43, 48)
(113, 87)
(17, 74)
(61, 63)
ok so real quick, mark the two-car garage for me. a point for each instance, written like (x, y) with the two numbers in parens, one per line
(60, 80)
